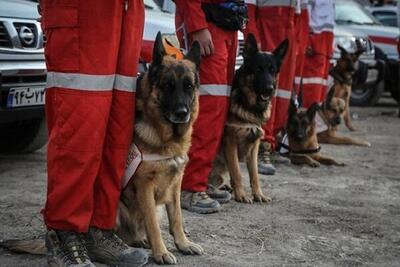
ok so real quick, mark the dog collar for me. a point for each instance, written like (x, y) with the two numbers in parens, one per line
(305, 151)
(244, 125)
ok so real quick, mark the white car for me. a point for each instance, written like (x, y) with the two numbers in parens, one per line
(352, 15)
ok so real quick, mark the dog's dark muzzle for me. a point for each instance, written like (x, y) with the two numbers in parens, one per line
(336, 121)
(179, 115)
(266, 94)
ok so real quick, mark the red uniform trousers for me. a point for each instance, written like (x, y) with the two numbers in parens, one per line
(316, 68)
(275, 24)
(302, 26)
(216, 75)
(91, 53)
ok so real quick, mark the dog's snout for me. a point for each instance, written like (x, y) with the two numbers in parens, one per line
(181, 112)
(338, 120)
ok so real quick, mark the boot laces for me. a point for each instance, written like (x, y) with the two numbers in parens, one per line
(73, 250)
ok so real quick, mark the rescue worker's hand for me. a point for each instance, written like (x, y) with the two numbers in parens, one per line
(203, 36)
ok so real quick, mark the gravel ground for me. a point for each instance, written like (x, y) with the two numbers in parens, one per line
(329, 216)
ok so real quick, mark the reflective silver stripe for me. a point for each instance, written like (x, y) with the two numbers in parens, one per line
(252, 2)
(125, 83)
(297, 80)
(283, 93)
(215, 89)
(315, 80)
(91, 82)
(327, 27)
(278, 3)
(79, 81)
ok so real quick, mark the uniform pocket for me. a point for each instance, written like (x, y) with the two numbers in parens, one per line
(60, 25)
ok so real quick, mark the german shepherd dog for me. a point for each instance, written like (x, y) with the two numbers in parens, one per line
(331, 113)
(303, 143)
(342, 74)
(252, 90)
(167, 106)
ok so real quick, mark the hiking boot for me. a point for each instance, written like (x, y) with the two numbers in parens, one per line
(276, 157)
(66, 249)
(222, 196)
(199, 202)
(264, 161)
(106, 247)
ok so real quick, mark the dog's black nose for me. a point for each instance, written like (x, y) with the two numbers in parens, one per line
(181, 112)
(338, 120)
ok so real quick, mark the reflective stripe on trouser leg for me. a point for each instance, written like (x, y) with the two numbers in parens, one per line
(302, 40)
(328, 37)
(120, 124)
(315, 69)
(216, 71)
(78, 117)
(272, 33)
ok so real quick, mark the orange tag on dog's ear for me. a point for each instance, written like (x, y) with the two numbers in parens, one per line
(172, 51)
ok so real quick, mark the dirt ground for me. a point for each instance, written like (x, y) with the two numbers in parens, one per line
(329, 216)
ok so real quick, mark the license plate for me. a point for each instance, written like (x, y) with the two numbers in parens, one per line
(25, 96)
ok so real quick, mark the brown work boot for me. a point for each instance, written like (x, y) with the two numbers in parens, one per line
(199, 202)
(66, 249)
(264, 161)
(106, 247)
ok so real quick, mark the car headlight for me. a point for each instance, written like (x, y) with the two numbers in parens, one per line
(347, 42)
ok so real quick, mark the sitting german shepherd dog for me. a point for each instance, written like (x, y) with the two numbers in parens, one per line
(303, 143)
(330, 113)
(252, 90)
(167, 106)
(342, 74)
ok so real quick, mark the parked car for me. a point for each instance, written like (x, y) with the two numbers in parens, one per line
(351, 15)
(23, 70)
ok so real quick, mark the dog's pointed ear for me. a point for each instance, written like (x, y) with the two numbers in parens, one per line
(292, 107)
(194, 54)
(250, 46)
(343, 52)
(158, 51)
(312, 110)
(280, 52)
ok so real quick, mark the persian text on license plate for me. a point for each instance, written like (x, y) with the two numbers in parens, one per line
(25, 96)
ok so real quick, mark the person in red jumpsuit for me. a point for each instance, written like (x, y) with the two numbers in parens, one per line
(319, 50)
(273, 21)
(218, 48)
(92, 52)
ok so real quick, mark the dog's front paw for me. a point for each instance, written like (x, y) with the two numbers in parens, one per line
(260, 197)
(315, 164)
(190, 248)
(341, 164)
(351, 128)
(241, 197)
(367, 144)
(165, 258)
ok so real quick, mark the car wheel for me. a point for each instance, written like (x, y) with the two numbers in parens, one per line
(367, 95)
(395, 95)
(23, 137)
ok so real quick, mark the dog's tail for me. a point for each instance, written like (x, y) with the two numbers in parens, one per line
(33, 246)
